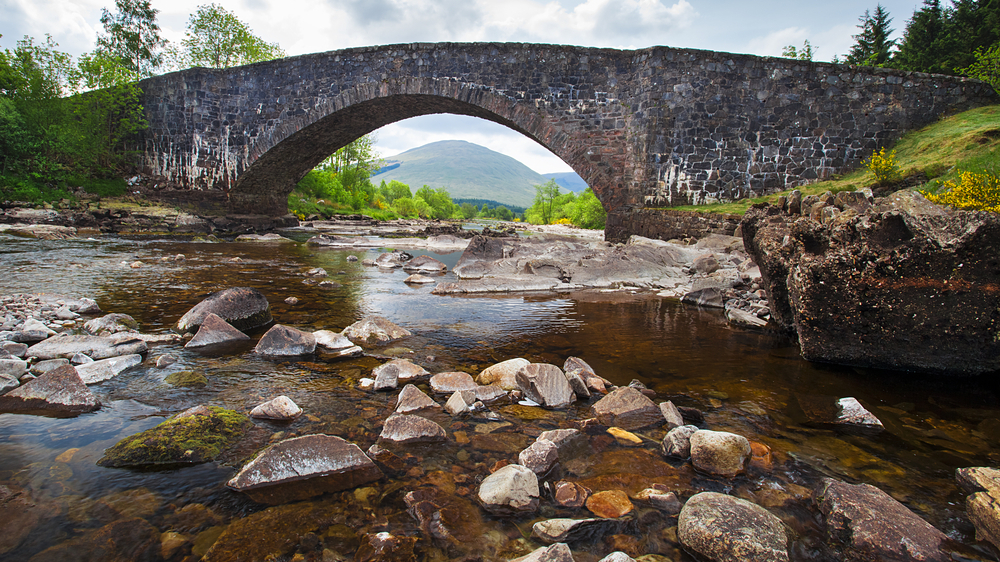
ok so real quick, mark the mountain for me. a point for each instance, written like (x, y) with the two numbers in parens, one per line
(569, 180)
(466, 170)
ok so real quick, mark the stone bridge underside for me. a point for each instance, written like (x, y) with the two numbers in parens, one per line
(650, 128)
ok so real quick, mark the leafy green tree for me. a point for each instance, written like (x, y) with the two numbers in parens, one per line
(216, 38)
(545, 196)
(468, 210)
(438, 200)
(503, 213)
(588, 211)
(872, 46)
(986, 67)
(394, 190)
(806, 53)
(132, 37)
(972, 25)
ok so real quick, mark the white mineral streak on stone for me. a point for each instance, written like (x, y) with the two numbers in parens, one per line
(852, 412)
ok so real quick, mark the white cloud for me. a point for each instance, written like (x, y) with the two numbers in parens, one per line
(773, 43)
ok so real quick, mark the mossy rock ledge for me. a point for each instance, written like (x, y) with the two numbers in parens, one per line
(197, 435)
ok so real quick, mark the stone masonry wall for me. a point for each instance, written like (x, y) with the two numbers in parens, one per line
(667, 224)
(651, 128)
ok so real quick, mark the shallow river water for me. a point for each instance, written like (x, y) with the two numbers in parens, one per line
(744, 382)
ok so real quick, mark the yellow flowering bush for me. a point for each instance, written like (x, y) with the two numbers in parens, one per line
(973, 192)
(884, 167)
(563, 220)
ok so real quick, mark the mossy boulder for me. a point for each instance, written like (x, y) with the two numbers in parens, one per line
(194, 436)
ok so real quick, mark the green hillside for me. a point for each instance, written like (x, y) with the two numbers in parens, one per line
(467, 170)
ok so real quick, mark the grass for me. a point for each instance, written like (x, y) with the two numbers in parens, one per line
(969, 141)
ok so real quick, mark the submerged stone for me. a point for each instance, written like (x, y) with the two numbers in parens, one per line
(265, 535)
(727, 529)
(194, 436)
(186, 379)
(303, 467)
(627, 408)
(573, 530)
(121, 540)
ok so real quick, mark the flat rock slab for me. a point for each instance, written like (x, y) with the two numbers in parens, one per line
(285, 341)
(213, 331)
(59, 392)
(727, 529)
(405, 429)
(871, 525)
(389, 375)
(627, 408)
(197, 435)
(559, 552)
(95, 347)
(99, 371)
(609, 504)
(447, 383)
(425, 264)
(242, 307)
(374, 329)
(844, 414)
(303, 467)
(332, 342)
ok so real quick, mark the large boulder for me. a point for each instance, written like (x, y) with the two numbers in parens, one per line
(885, 289)
(197, 435)
(727, 529)
(214, 331)
(983, 504)
(871, 525)
(627, 408)
(719, 452)
(303, 467)
(243, 307)
(95, 347)
(59, 392)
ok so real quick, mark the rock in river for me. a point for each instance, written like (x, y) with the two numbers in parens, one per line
(983, 505)
(727, 529)
(197, 435)
(719, 452)
(545, 384)
(627, 408)
(374, 329)
(244, 308)
(425, 264)
(503, 374)
(874, 526)
(95, 347)
(280, 408)
(111, 324)
(213, 331)
(512, 490)
(447, 383)
(404, 429)
(285, 341)
(59, 392)
(99, 371)
(303, 467)
(411, 399)
(573, 530)
(677, 442)
(332, 342)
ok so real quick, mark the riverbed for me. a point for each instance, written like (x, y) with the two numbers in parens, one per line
(745, 382)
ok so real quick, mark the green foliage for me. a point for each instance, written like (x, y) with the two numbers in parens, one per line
(541, 212)
(807, 52)
(945, 40)
(216, 38)
(986, 67)
(438, 203)
(584, 210)
(132, 38)
(468, 211)
(872, 44)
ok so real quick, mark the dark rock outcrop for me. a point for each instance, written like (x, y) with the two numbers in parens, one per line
(898, 289)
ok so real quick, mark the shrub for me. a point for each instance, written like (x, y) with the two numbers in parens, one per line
(563, 220)
(884, 167)
(973, 192)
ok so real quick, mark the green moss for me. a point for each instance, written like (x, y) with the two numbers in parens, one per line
(179, 441)
(189, 379)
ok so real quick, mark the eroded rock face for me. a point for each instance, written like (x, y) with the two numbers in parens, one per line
(982, 506)
(871, 525)
(303, 467)
(727, 529)
(887, 288)
(242, 307)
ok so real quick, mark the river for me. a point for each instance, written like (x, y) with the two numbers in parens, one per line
(745, 382)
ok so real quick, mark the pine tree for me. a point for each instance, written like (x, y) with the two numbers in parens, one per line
(923, 47)
(872, 45)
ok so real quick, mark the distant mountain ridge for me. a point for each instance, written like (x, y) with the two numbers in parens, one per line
(467, 171)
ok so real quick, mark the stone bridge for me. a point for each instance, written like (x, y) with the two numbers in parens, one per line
(655, 127)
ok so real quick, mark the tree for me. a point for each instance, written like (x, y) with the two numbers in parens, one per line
(218, 39)
(923, 47)
(545, 196)
(806, 53)
(872, 45)
(986, 67)
(132, 37)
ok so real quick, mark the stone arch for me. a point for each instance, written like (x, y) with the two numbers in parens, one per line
(279, 160)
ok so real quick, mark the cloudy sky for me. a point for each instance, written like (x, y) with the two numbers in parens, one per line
(309, 26)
